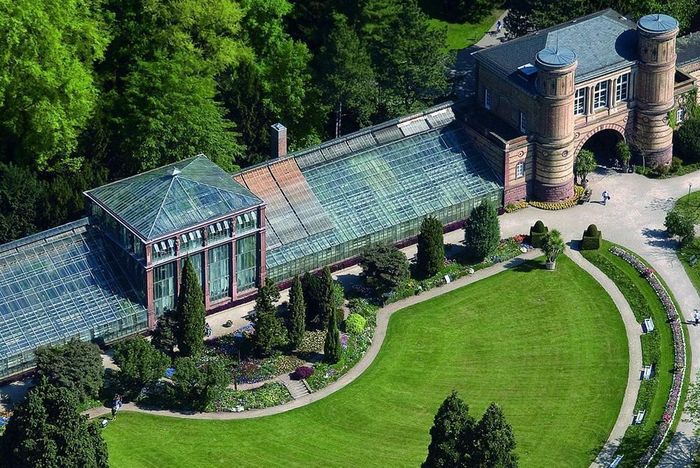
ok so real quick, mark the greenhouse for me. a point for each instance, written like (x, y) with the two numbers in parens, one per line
(112, 274)
(327, 203)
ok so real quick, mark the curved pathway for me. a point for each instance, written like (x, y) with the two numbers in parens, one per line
(379, 334)
(633, 330)
(634, 218)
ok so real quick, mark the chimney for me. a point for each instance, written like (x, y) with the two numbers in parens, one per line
(278, 140)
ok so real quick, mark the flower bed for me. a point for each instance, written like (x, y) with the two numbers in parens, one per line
(270, 394)
(678, 350)
(561, 205)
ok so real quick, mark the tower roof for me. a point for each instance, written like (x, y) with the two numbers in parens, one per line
(657, 23)
(556, 57)
(171, 198)
(601, 42)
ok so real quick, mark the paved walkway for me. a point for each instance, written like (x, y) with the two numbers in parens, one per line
(633, 330)
(379, 335)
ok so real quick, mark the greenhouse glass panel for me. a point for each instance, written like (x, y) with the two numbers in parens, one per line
(219, 272)
(246, 262)
(164, 288)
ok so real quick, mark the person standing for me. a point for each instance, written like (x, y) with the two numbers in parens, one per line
(696, 316)
(499, 25)
(606, 197)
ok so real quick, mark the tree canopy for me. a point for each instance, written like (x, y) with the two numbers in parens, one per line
(452, 423)
(269, 332)
(76, 366)
(384, 267)
(430, 257)
(190, 313)
(482, 231)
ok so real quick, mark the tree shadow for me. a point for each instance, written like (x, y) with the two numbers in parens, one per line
(659, 238)
(681, 452)
(524, 266)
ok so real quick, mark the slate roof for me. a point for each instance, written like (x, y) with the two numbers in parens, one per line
(173, 197)
(603, 42)
(688, 49)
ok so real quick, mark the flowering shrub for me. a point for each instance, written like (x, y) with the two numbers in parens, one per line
(270, 394)
(561, 205)
(302, 372)
(355, 323)
(678, 349)
(511, 207)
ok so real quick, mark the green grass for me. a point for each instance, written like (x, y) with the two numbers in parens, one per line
(655, 347)
(461, 35)
(550, 347)
(690, 205)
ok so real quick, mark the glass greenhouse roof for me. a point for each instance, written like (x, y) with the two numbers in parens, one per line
(64, 285)
(427, 165)
(173, 197)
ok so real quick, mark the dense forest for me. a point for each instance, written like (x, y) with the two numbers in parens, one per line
(94, 90)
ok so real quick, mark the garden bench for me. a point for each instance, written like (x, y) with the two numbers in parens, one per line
(648, 325)
(616, 461)
(639, 417)
(646, 373)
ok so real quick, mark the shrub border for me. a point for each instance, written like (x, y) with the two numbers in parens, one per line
(679, 351)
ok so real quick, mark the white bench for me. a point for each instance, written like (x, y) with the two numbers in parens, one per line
(615, 462)
(646, 372)
(639, 417)
(648, 325)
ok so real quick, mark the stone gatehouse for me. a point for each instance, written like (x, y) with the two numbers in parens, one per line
(540, 98)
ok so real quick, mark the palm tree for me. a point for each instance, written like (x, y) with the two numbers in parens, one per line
(552, 246)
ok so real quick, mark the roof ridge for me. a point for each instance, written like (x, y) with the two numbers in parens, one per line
(160, 208)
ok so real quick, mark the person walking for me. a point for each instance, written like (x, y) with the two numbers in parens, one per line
(696, 316)
(499, 25)
(116, 403)
(606, 197)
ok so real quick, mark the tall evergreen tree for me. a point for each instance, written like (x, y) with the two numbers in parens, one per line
(311, 284)
(269, 331)
(482, 231)
(297, 313)
(190, 313)
(76, 365)
(328, 306)
(408, 55)
(332, 348)
(431, 251)
(347, 76)
(452, 423)
(164, 337)
(46, 430)
(493, 442)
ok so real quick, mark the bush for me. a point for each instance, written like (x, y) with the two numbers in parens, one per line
(355, 324)
(482, 231)
(384, 267)
(362, 307)
(302, 372)
(678, 224)
(622, 150)
(140, 364)
(591, 238)
(676, 164)
(687, 140)
(537, 233)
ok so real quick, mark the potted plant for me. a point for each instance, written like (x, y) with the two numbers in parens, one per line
(552, 246)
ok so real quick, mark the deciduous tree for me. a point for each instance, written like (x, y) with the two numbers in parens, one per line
(164, 337)
(680, 225)
(585, 163)
(76, 366)
(140, 363)
(46, 429)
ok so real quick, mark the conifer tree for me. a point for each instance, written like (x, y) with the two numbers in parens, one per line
(327, 307)
(268, 328)
(331, 347)
(297, 313)
(482, 231)
(190, 313)
(431, 251)
(452, 423)
(493, 442)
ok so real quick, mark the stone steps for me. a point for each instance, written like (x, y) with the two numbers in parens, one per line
(296, 388)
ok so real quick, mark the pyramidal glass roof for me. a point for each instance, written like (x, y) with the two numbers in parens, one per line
(173, 197)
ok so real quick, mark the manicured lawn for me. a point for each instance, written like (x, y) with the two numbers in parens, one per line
(461, 35)
(656, 347)
(690, 205)
(550, 347)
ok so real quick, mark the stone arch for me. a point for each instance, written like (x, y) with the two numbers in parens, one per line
(580, 141)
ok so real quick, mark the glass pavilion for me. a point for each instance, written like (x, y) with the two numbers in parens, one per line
(112, 274)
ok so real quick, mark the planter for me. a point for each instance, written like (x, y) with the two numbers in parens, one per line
(550, 265)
